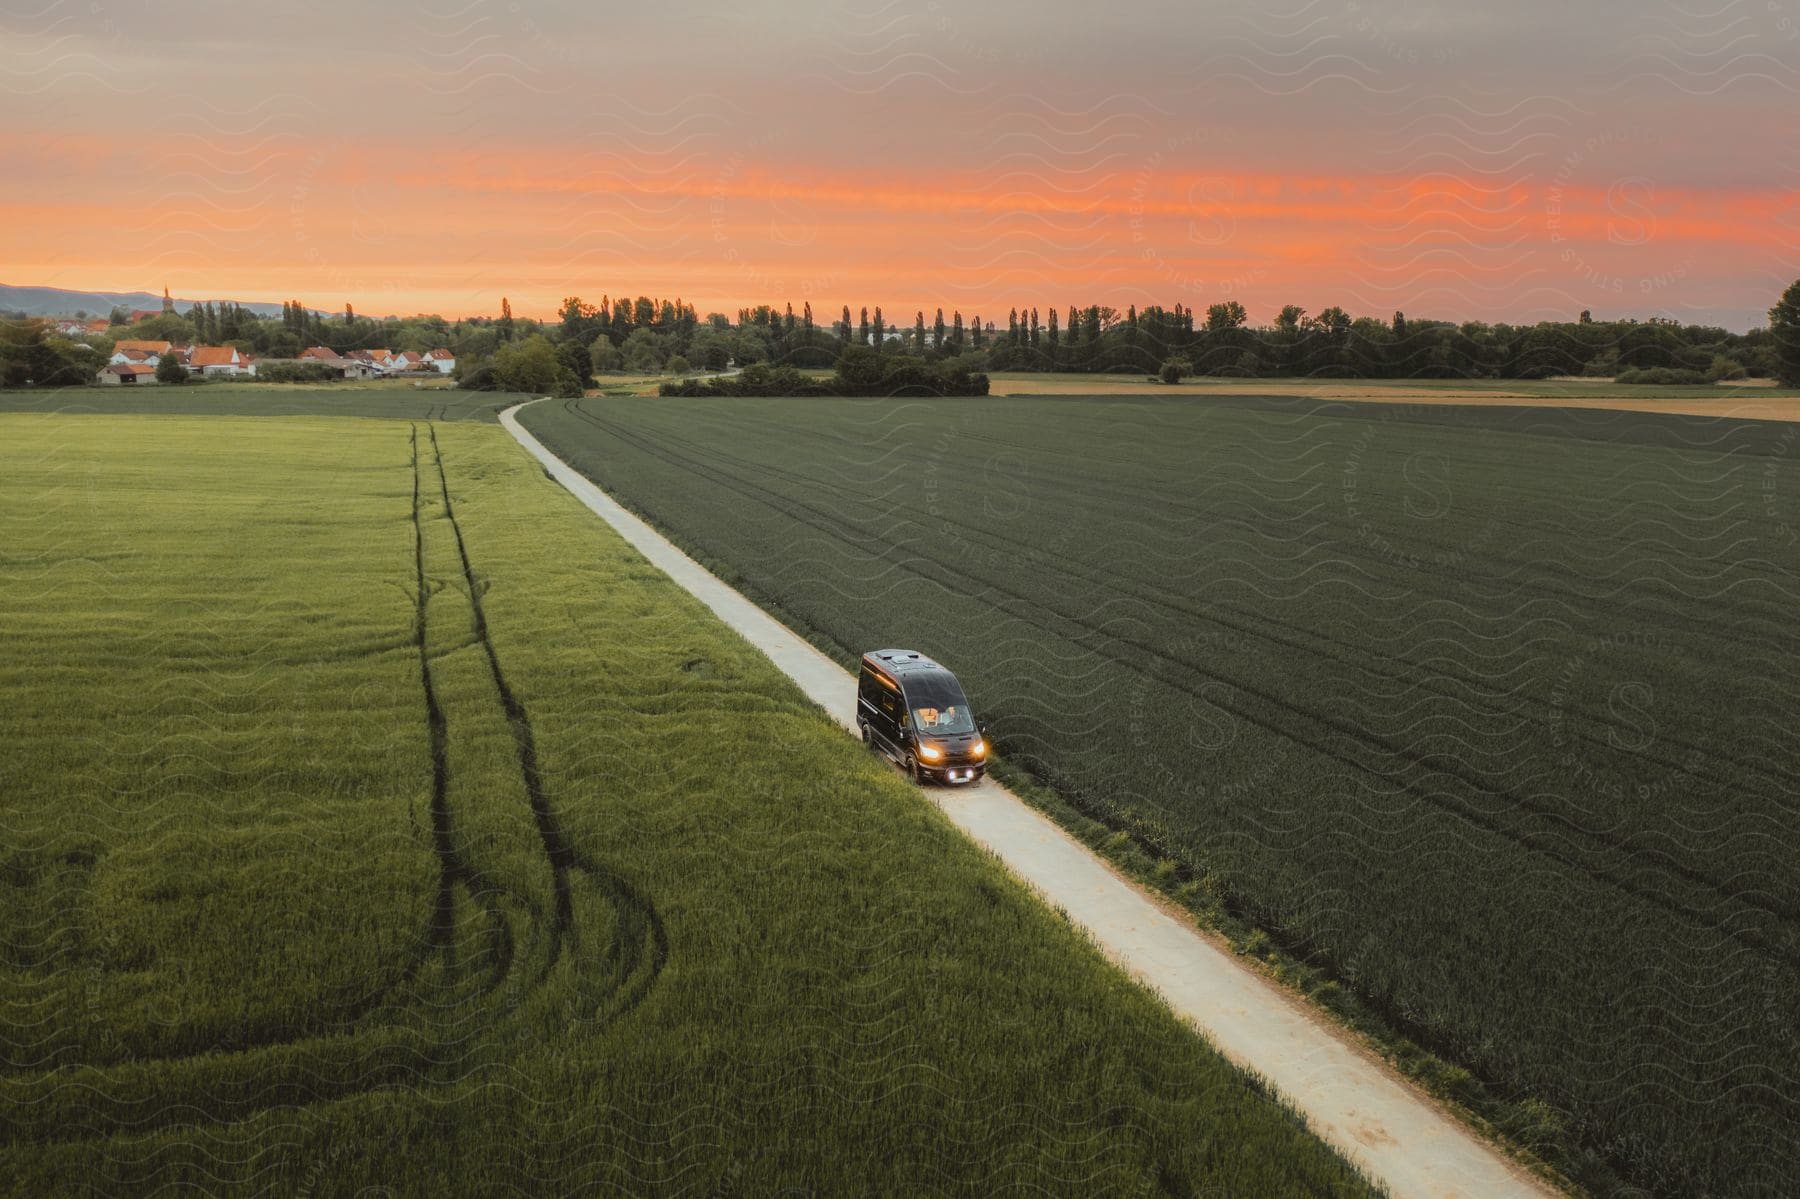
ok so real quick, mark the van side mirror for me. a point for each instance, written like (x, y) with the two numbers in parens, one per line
(981, 727)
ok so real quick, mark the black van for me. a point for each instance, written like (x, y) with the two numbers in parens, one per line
(915, 712)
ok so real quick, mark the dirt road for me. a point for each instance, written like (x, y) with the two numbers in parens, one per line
(1397, 1134)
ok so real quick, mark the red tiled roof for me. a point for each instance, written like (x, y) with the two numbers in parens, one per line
(318, 352)
(213, 356)
(148, 347)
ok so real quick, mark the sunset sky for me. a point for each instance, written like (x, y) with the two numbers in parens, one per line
(1517, 162)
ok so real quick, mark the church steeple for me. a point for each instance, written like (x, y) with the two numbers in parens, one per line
(168, 304)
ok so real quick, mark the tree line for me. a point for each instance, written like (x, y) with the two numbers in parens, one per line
(652, 335)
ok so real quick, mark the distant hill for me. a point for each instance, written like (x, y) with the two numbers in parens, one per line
(54, 301)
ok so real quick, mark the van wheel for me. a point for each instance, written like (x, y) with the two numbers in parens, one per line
(863, 728)
(913, 772)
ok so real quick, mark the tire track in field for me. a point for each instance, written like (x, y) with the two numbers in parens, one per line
(635, 956)
(1544, 842)
(452, 870)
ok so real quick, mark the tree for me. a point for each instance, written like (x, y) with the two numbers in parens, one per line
(862, 328)
(1229, 315)
(170, 370)
(505, 324)
(1174, 370)
(975, 341)
(806, 321)
(349, 315)
(677, 365)
(645, 350)
(1289, 318)
(1399, 325)
(880, 329)
(603, 355)
(532, 365)
(1784, 329)
(919, 333)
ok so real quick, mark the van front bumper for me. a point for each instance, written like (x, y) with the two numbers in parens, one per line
(958, 773)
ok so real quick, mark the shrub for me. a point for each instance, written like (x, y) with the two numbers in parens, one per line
(678, 365)
(1663, 375)
(1174, 370)
(170, 370)
(860, 372)
(479, 377)
(293, 372)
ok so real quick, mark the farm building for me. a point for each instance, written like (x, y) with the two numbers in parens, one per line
(135, 358)
(135, 374)
(440, 360)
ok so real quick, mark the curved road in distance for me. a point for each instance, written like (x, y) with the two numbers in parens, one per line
(1396, 1133)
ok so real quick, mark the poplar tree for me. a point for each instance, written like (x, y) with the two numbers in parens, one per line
(880, 330)
(919, 332)
(937, 331)
(862, 329)
(844, 329)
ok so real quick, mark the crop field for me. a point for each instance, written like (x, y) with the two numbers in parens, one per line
(1488, 712)
(1745, 401)
(375, 818)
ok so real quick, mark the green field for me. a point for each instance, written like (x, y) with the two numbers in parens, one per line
(375, 818)
(376, 398)
(1488, 712)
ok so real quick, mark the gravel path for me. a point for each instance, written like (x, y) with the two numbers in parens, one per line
(1396, 1133)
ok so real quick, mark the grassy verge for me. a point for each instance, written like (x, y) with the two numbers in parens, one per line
(376, 818)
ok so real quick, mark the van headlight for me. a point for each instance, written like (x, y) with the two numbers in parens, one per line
(980, 749)
(930, 753)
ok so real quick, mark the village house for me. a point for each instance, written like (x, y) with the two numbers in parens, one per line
(155, 348)
(215, 361)
(81, 328)
(440, 359)
(349, 368)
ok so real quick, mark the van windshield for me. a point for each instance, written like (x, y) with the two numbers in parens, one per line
(938, 705)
